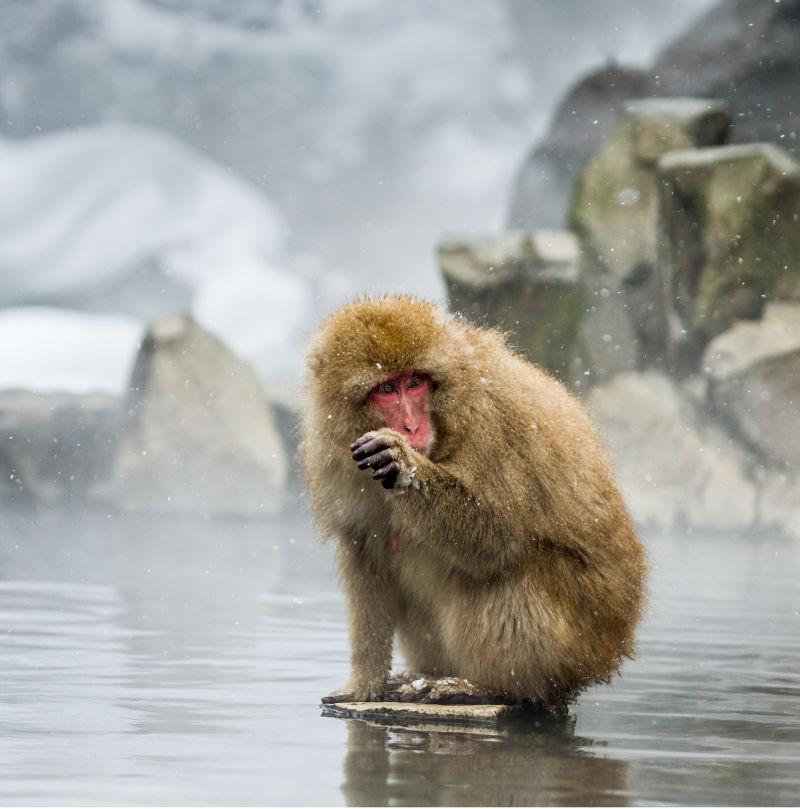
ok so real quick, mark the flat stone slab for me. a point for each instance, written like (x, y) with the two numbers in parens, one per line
(408, 713)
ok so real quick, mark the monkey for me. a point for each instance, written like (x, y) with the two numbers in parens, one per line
(474, 508)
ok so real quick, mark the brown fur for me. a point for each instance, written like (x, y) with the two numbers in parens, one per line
(518, 567)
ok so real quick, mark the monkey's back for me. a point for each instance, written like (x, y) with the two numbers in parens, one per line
(564, 615)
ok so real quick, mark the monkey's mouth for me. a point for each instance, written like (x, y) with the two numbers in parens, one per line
(423, 444)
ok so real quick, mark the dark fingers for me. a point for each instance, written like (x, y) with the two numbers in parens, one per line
(386, 470)
(370, 447)
(376, 460)
(361, 440)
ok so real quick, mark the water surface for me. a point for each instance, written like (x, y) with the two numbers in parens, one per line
(154, 661)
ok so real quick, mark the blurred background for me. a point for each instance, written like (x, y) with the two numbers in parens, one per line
(187, 187)
(160, 155)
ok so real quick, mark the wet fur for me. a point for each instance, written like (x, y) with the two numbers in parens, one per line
(518, 567)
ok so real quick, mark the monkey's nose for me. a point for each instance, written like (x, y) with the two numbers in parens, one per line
(413, 434)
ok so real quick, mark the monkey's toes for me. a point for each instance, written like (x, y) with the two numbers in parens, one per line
(357, 696)
(441, 691)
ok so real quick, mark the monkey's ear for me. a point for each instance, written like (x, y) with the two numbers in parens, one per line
(314, 359)
(315, 363)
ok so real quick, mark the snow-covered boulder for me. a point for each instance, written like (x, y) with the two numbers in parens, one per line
(125, 219)
(198, 432)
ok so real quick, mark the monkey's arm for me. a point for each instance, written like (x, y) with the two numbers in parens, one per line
(480, 534)
(371, 610)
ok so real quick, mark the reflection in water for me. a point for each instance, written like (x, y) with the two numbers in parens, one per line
(147, 660)
(528, 764)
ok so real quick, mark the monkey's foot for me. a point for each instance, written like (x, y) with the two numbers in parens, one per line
(336, 696)
(442, 691)
(347, 694)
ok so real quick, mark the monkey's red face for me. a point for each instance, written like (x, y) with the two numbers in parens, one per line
(404, 404)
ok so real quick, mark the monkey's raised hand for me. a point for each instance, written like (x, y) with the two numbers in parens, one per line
(389, 457)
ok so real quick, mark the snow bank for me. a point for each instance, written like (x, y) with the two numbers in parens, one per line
(54, 350)
(123, 218)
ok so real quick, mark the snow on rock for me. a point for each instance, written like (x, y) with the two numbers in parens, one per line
(525, 283)
(47, 350)
(125, 219)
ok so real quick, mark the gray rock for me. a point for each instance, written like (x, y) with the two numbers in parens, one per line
(199, 434)
(615, 206)
(679, 467)
(541, 192)
(754, 382)
(675, 467)
(440, 716)
(526, 284)
(55, 448)
(743, 52)
(607, 344)
(729, 239)
(779, 502)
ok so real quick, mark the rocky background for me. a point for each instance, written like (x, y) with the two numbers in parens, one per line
(654, 266)
(650, 258)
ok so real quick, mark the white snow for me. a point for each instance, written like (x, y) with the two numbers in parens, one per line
(87, 206)
(124, 208)
(49, 350)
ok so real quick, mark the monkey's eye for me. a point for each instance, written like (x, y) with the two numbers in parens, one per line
(386, 387)
(415, 381)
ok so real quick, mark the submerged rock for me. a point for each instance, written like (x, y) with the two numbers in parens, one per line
(199, 434)
(55, 448)
(754, 382)
(399, 713)
(526, 284)
(729, 240)
(615, 206)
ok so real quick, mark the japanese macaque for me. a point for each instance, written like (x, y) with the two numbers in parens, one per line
(474, 508)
